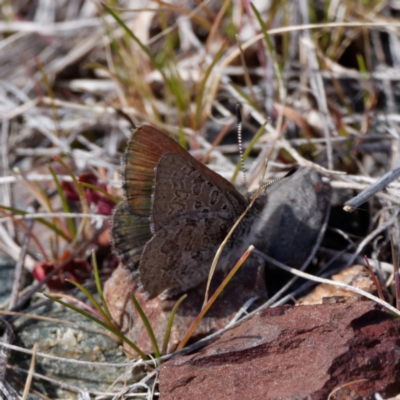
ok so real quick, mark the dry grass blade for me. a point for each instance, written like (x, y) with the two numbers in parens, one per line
(395, 259)
(19, 269)
(331, 394)
(319, 92)
(30, 374)
(8, 391)
(8, 336)
(329, 282)
(375, 279)
(210, 302)
(223, 244)
(70, 360)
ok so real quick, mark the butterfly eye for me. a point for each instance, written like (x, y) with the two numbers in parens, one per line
(259, 203)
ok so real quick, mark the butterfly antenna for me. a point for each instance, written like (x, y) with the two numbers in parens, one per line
(290, 172)
(240, 142)
(124, 115)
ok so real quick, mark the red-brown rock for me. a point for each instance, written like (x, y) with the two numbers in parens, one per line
(295, 353)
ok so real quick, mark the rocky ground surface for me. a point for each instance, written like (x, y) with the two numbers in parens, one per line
(345, 351)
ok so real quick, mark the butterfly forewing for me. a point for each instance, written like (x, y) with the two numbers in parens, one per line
(131, 219)
(142, 156)
(182, 188)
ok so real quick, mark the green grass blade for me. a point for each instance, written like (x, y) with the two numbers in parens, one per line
(200, 96)
(103, 324)
(95, 303)
(100, 190)
(98, 286)
(78, 185)
(122, 24)
(246, 99)
(177, 88)
(41, 196)
(277, 66)
(81, 194)
(170, 322)
(51, 226)
(364, 75)
(64, 202)
(147, 325)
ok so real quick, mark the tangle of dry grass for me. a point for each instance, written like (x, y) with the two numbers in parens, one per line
(324, 79)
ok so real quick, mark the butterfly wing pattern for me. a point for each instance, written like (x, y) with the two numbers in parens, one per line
(131, 219)
(192, 214)
(176, 213)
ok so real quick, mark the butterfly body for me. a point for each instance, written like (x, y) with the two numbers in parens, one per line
(177, 212)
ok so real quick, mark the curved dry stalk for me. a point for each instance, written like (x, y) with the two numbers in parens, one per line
(369, 237)
(225, 241)
(30, 374)
(56, 215)
(67, 360)
(344, 386)
(328, 282)
(277, 31)
(19, 268)
(56, 321)
(61, 384)
(8, 337)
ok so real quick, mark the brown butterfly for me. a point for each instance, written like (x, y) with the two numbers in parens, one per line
(177, 212)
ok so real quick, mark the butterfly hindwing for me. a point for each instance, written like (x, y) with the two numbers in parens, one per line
(180, 254)
(130, 232)
(131, 219)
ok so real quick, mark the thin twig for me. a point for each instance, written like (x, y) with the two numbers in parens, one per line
(395, 271)
(8, 346)
(19, 268)
(30, 374)
(369, 237)
(327, 281)
(379, 185)
(8, 337)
